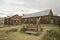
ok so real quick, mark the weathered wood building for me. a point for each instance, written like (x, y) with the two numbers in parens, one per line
(33, 21)
(46, 17)
(13, 20)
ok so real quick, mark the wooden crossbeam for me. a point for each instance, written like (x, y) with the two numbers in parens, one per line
(24, 21)
(37, 21)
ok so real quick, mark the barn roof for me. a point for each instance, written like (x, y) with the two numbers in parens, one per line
(13, 16)
(41, 13)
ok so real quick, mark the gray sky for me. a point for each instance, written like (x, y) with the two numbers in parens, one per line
(11, 7)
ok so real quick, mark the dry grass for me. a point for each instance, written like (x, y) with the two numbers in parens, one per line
(22, 36)
(53, 34)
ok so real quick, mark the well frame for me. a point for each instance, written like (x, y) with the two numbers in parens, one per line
(32, 28)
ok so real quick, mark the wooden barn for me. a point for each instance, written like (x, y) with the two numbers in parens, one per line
(32, 21)
(13, 20)
(46, 17)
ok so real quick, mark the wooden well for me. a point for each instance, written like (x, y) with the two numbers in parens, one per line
(32, 28)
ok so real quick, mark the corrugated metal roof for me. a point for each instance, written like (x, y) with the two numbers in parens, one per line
(42, 13)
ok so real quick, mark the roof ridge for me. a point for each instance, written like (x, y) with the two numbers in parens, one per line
(39, 12)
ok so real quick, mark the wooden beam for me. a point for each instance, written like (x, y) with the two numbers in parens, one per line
(24, 21)
(37, 22)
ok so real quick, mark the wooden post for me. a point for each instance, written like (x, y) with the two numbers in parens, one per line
(37, 22)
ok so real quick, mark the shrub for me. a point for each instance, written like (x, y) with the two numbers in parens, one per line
(37, 34)
(23, 30)
(41, 29)
(11, 30)
(52, 35)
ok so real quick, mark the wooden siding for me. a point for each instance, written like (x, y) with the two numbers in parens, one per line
(14, 20)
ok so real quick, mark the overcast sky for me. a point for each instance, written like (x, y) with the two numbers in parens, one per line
(11, 7)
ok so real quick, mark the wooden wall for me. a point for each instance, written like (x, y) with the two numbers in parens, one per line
(14, 20)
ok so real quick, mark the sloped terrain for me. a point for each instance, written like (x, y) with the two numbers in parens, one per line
(17, 35)
(53, 34)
